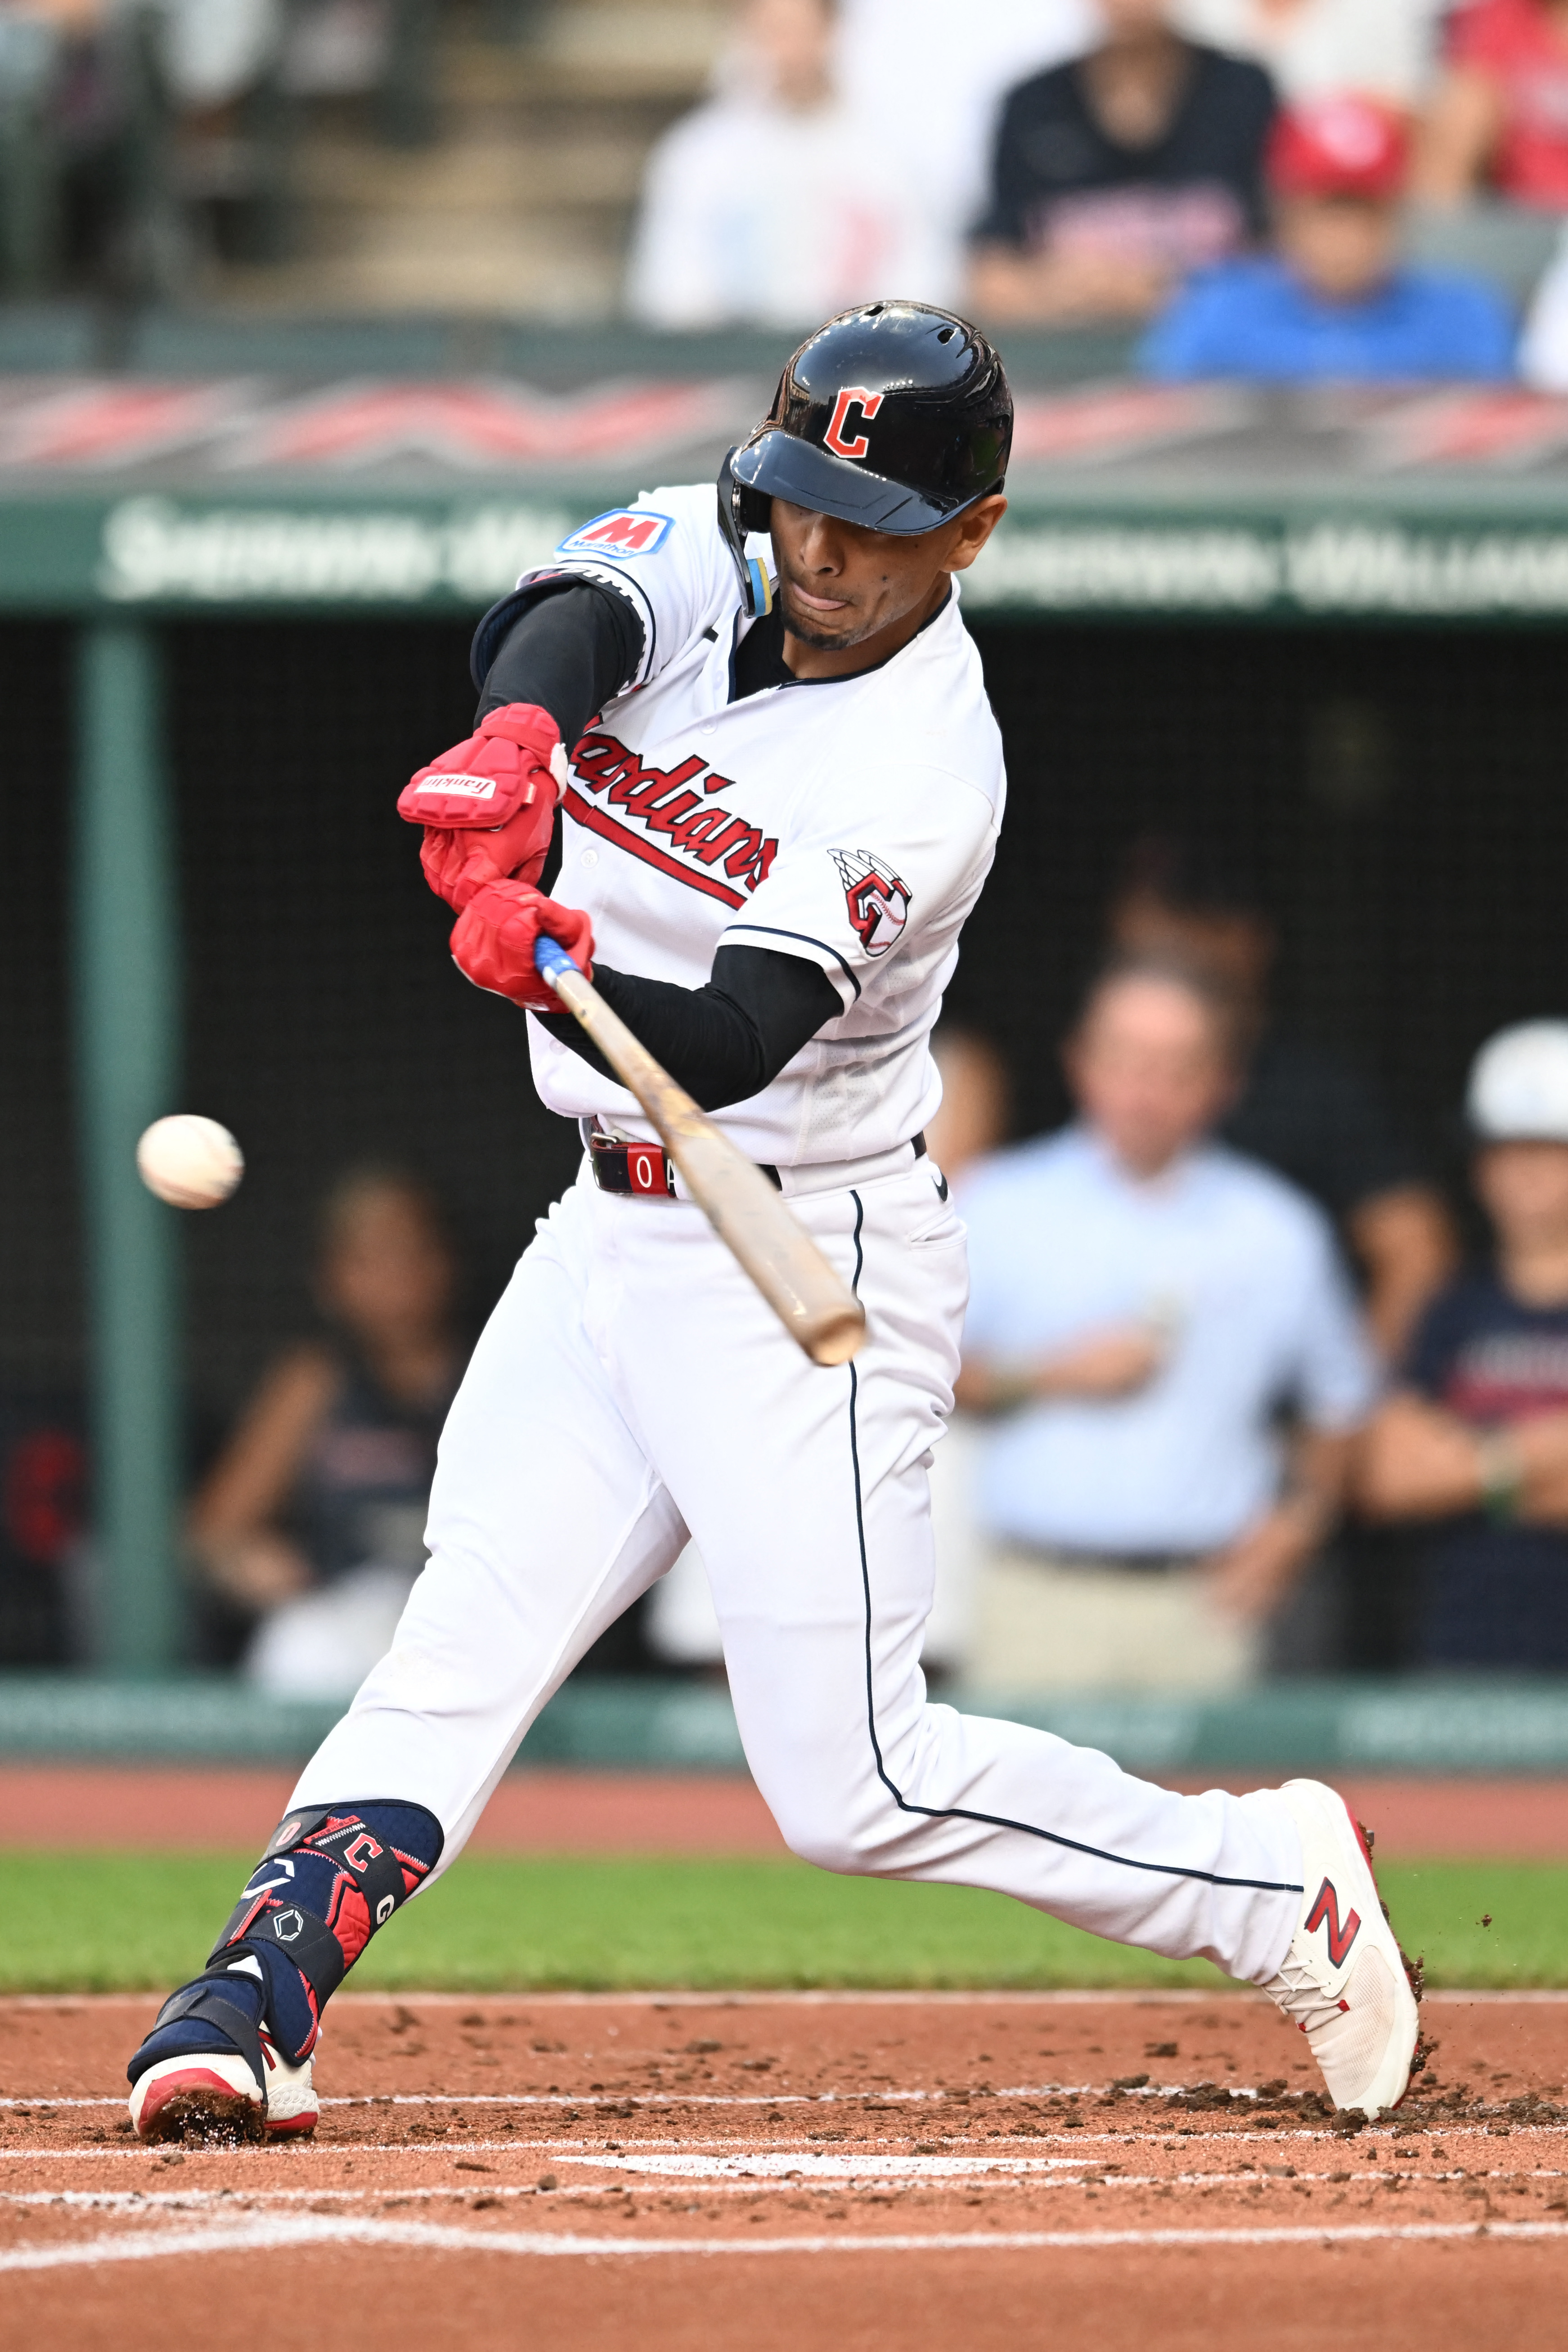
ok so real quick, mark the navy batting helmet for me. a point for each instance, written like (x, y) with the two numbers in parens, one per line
(896, 416)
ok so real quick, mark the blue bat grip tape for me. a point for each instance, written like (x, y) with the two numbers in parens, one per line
(550, 958)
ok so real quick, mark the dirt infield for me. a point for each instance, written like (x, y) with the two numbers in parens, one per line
(574, 2174)
(159, 1808)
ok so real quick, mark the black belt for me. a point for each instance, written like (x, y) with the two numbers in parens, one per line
(646, 1170)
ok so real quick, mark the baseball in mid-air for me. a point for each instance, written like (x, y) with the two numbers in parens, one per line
(189, 1161)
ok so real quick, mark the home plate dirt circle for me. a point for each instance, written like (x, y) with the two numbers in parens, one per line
(983, 2170)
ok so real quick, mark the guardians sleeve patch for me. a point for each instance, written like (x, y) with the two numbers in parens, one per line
(877, 901)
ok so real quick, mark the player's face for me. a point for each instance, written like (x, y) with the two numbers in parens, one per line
(1149, 1071)
(844, 589)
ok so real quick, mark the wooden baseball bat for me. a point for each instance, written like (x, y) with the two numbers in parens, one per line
(813, 1303)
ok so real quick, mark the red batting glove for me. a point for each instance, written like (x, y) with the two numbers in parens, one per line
(488, 806)
(494, 936)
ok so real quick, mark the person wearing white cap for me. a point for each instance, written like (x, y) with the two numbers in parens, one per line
(1474, 1441)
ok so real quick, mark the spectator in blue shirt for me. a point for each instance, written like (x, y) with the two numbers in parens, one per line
(1333, 299)
(1146, 1303)
(1474, 1444)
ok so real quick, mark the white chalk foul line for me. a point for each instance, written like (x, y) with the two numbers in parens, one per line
(270, 2233)
(779, 2163)
(749, 2174)
(1074, 2175)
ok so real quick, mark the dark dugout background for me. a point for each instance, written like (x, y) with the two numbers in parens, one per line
(1399, 796)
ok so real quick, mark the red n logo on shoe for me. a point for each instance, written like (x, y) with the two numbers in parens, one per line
(1325, 1912)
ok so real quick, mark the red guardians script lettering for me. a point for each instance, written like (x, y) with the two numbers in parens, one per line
(678, 825)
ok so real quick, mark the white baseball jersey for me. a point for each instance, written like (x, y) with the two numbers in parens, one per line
(632, 1389)
(849, 821)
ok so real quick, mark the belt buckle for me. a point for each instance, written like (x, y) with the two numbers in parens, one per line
(642, 1171)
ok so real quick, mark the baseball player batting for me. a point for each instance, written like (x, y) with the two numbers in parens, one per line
(781, 799)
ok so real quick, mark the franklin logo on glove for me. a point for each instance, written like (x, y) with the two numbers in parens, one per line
(490, 821)
(476, 788)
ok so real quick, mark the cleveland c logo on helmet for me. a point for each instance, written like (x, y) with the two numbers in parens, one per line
(938, 392)
(854, 395)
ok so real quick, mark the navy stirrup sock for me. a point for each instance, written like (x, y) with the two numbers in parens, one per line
(330, 1876)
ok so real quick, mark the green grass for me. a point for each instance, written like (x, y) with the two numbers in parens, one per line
(92, 1923)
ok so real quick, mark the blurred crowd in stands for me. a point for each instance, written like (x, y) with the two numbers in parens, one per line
(1222, 1334)
(1280, 189)
(137, 135)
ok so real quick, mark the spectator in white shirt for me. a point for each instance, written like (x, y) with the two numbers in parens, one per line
(934, 101)
(1144, 1304)
(776, 204)
(1328, 48)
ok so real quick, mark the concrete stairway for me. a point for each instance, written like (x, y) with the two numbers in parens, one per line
(523, 206)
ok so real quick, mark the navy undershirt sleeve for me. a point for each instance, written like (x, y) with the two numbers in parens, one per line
(564, 644)
(727, 1041)
(571, 647)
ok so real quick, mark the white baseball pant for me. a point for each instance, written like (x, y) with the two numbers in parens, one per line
(630, 1388)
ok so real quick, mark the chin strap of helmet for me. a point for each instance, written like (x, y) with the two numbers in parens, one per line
(742, 513)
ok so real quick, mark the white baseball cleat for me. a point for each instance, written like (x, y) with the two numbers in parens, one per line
(1345, 1982)
(214, 2095)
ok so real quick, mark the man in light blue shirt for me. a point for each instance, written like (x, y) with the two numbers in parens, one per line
(1145, 1305)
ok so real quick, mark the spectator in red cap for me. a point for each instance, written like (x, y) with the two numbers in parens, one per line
(1333, 298)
